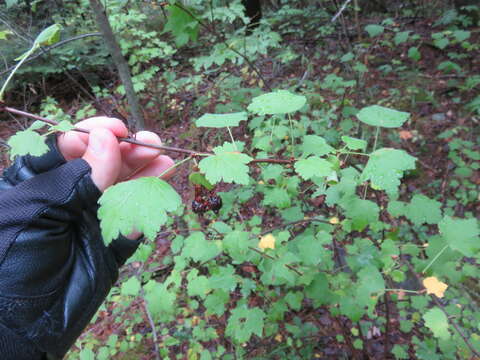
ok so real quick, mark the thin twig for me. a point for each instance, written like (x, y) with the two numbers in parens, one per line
(49, 48)
(341, 10)
(152, 324)
(295, 270)
(136, 142)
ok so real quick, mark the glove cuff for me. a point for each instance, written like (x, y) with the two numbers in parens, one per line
(26, 167)
(51, 160)
(122, 248)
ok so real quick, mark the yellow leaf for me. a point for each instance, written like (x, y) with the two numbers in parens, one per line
(267, 242)
(334, 221)
(278, 338)
(434, 286)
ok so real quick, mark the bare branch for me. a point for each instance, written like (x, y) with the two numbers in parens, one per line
(341, 10)
(49, 48)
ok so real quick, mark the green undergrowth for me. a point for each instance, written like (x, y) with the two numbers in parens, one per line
(362, 241)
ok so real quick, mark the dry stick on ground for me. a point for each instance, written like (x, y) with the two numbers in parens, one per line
(442, 307)
(136, 142)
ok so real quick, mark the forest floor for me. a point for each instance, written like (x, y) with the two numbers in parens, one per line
(435, 103)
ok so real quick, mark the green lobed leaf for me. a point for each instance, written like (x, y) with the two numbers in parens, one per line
(236, 244)
(87, 354)
(130, 287)
(385, 169)
(216, 301)
(160, 301)
(354, 144)
(315, 145)
(461, 35)
(344, 188)
(461, 234)
(396, 208)
(4, 34)
(199, 179)
(319, 291)
(198, 248)
(376, 115)
(422, 210)
(48, 36)
(223, 278)
(277, 102)
(400, 353)
(198, 285)
(401, 37)
(313, 166)
(221, 120)
(227, 164)
(277, 197)
(244, 322)
(272, 171)
(436, 320)
(275, 272)
(27, 142)
(37, 125)
(294, 300)
(362, 212)
(309, 250)
(414, 53)
(370, 285)
(374, 30)
(141, 204)
(350, 307)
(181, 24)
(11, 3)
(63, 126)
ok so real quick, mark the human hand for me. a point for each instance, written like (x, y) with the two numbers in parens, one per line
(113, 162)
(52, 252)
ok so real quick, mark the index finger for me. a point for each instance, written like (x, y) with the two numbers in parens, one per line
(73, 144)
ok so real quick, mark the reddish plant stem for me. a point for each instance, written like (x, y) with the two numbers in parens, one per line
(136, 142)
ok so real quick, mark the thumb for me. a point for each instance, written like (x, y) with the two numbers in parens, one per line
(103, 156)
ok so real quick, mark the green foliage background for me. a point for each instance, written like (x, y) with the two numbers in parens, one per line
(356, 226)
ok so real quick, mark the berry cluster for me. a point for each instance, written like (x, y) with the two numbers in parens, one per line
(206, 200)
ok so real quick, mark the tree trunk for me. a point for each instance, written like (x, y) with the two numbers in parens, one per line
(135, 122)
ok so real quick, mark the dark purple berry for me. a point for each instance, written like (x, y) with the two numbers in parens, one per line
(215, 203)
(198, 207)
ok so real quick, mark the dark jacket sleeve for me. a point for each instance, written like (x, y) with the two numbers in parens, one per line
(54, 268)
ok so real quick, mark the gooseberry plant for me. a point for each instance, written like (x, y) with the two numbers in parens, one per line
(308, 227)
(350, 239)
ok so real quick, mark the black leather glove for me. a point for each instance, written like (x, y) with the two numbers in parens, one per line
(54, 268)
